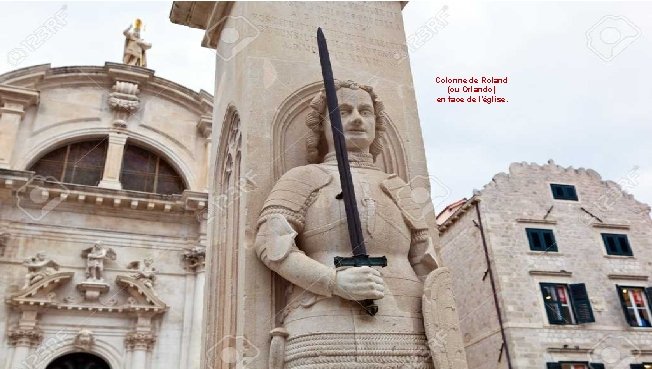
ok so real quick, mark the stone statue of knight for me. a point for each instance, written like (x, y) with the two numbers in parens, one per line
(302, 227)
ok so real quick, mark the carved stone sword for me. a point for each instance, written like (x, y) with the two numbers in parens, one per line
(360, 256)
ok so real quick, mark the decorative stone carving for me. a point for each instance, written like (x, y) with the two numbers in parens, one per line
(25, 337)
(145, 271)
(84, 340)
(140, 341)
(95, 257)
(323, 309)
(194, 258)
(94, 285)
(124, 96)
(141, 297)
(135, 47)
(124, 101)
(38, 267)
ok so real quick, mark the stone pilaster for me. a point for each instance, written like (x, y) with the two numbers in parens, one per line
(140, 343)
(113, 163)
(14, 102)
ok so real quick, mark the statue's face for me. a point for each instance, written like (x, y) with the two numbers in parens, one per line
(358, 120)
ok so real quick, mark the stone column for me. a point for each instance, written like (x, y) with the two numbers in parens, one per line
(140, 343)
(23, 340)
(15, 102)
(195, 262)
(113, 164)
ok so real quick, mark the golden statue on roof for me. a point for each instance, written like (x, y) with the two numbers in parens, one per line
(135, 47)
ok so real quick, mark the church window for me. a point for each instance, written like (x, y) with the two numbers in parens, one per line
(77, 163)
(145, 171)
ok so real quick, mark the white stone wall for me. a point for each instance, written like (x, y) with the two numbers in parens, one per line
(72, 106)
(521, 199)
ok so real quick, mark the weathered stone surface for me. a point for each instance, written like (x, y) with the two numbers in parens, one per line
(523, 199)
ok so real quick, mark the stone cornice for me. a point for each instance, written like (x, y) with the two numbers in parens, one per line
(43, 77)
(38, 294)
(189, 202)
(610, 226)
(551, 273)
(139, 291)
(628, 277)
(17, 99)
(536, 221)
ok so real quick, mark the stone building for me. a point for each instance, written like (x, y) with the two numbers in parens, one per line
(551, 269)
(103, 192)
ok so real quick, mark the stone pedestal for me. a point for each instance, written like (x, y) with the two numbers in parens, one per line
(93, 289)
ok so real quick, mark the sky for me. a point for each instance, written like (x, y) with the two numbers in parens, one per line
(578, 91)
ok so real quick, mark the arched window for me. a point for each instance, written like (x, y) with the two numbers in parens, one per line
(145, 171)
(83, 163)
(78, 163)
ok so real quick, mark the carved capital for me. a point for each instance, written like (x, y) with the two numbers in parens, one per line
(143, 341)
(25, 337)
(194, 259)
(205, 126)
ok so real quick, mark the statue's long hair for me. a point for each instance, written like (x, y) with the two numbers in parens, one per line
(317, 117)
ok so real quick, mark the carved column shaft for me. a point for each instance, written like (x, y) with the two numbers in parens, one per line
(195, 260)
(113, 164)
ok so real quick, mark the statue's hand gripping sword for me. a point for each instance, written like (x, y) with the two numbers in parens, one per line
(360, 257)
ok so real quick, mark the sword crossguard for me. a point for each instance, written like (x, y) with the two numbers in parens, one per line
(369, 306)
(360, 260)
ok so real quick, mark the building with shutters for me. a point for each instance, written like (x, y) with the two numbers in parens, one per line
(552, 270)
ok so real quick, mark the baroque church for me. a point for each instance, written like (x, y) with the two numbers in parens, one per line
(103, 208)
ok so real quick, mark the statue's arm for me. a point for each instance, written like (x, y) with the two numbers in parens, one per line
(126, 31)
(276, 248)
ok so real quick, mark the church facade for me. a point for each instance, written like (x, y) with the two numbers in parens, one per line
(103, 198)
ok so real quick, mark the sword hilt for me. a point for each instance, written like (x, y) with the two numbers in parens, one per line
(369, 306)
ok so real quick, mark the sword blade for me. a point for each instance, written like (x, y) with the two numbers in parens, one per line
(346, 179)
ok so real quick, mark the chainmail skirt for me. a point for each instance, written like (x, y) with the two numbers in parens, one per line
(358, 351)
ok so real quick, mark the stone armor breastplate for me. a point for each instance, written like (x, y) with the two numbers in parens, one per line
(353, 339)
